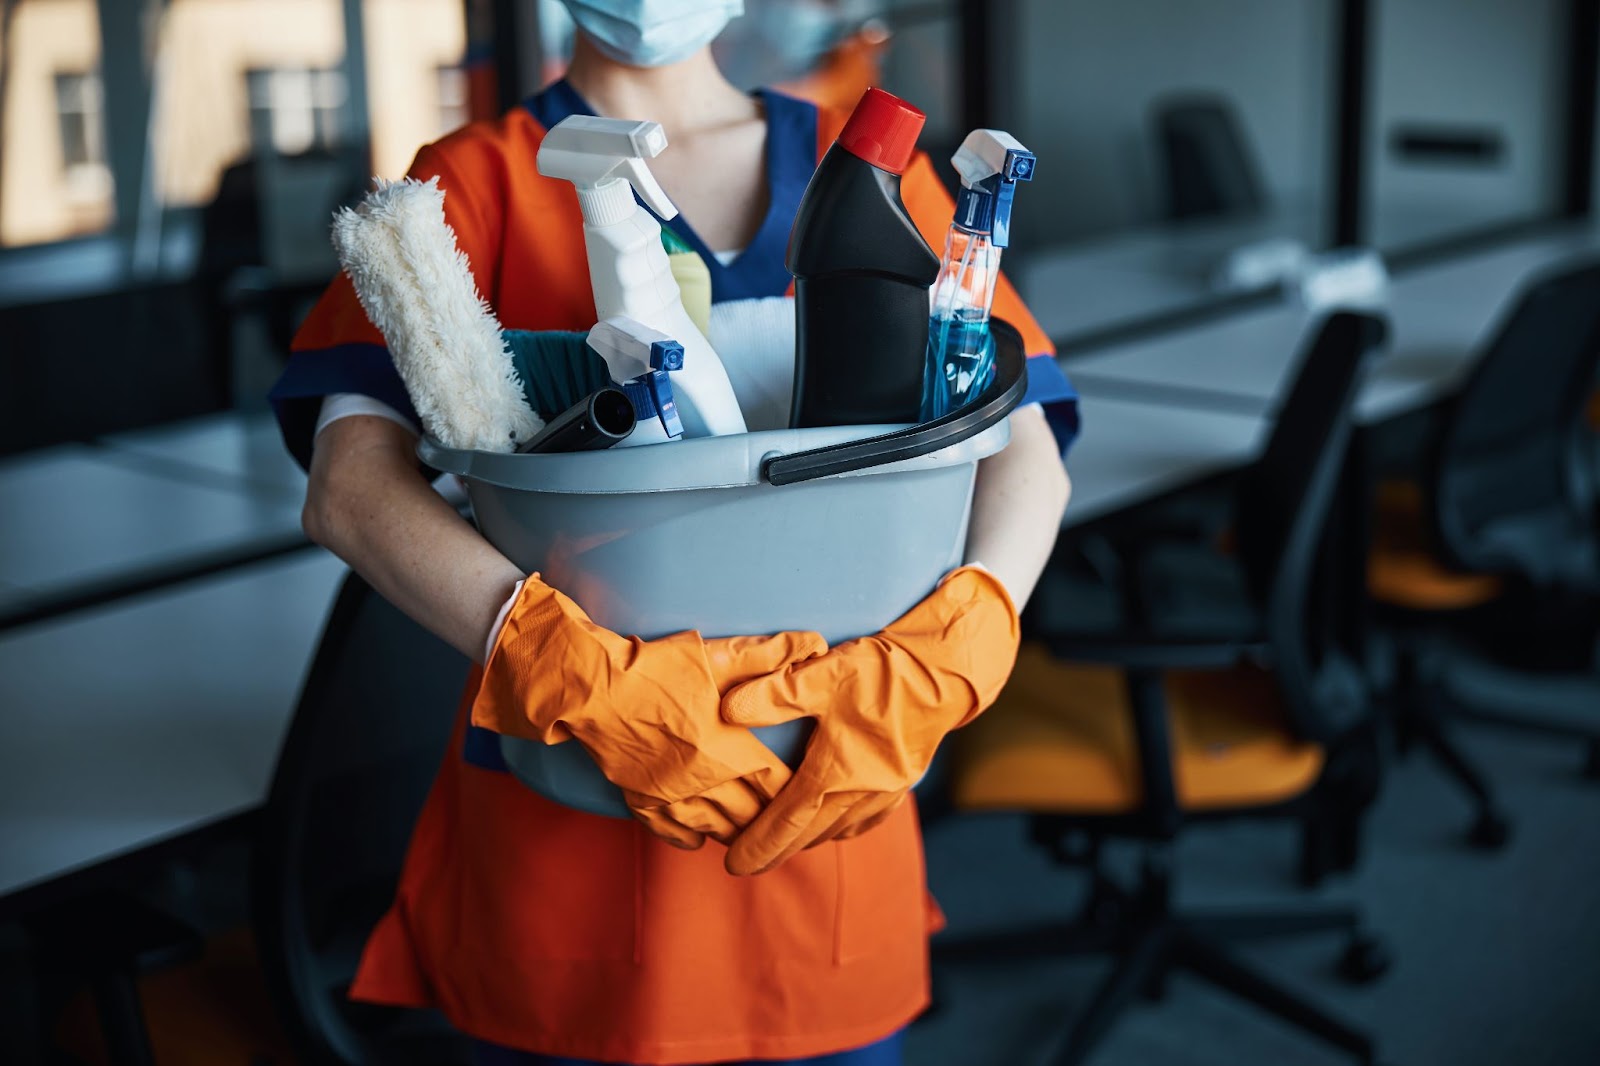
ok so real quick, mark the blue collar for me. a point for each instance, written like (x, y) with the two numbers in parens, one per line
(791, 156)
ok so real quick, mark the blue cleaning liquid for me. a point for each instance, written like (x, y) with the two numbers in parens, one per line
(960, 362)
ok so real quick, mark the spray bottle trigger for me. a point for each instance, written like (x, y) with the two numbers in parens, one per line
(644, 183)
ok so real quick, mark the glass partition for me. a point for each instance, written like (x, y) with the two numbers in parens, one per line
(1183, 153)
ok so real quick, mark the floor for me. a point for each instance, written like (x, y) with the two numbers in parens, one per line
(1497, 957)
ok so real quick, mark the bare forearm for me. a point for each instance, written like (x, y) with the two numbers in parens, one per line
(1017, 505)
(368, 504)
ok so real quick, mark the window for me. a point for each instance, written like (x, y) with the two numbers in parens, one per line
(80, 113)
(415, 91)
(80, 107)
(293, 110)
(452, 88)
(54, 180)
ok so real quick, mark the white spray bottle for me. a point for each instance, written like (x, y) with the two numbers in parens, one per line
(604, 158)
(640, 359)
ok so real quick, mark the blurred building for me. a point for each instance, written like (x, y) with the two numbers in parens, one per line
(231, 78)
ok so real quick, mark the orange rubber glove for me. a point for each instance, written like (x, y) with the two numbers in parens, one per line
(882, 704)
(645, 710)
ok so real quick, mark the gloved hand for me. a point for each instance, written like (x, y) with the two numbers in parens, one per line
(882, 704)
(645, 710)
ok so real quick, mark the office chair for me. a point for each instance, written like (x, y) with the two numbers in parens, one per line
(1207, 166)
(373, 722)
(1487, 573)
(1138, 732)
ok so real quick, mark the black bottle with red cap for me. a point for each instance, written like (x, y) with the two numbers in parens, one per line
(861, 276)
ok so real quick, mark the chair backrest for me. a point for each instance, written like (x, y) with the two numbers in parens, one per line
(1513, 484)
(1300, 523)
(373, 722)
(1207, 165)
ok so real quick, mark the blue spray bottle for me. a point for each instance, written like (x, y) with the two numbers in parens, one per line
(960, 360)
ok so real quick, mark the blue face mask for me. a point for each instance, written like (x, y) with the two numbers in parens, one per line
(652, 33)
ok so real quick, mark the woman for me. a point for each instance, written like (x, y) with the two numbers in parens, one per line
(541, 931)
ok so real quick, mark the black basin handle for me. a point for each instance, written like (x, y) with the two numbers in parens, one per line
(1002, 396)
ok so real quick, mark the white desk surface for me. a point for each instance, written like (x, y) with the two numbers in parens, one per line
(77, 515)
(156, 716)
(1441, 316)
(1131, 451)
(240, 449)
(1117, 280)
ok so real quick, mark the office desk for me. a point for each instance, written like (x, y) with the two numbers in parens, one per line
(1441, 315)
(1131, 452)
(84, 524)
(155, 717)
(232, 449)
(1107, 283)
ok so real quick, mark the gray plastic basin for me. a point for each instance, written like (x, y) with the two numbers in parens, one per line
(658, 539)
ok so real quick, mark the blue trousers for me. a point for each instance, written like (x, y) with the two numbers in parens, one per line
(884, 1053)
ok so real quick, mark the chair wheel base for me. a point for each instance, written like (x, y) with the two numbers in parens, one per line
(1490, 832)
(1365, 959)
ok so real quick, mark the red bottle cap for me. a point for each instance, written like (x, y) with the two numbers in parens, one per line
(882, 130)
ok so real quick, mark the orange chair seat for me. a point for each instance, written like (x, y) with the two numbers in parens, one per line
(1403, 571)
(1061, 740)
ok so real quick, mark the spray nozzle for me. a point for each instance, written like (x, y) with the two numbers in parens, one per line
(631, 348)
(651, 397)
(601, 157)
(990, 163)
(640, 357)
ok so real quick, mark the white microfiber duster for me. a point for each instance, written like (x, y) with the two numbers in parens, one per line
(416, 286)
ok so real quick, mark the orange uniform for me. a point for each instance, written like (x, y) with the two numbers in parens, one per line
(537, 927)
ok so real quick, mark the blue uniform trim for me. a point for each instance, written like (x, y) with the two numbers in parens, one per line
(1049, 386)
(791, 157)
(887, 1052)
(312, 375)
(481, 748)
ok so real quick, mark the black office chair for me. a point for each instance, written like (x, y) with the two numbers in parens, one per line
(1487, 572)
(1207, 166)
(372, 725)
(1168, 729)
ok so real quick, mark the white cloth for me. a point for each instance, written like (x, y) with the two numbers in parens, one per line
(347, 404)
(755, 341)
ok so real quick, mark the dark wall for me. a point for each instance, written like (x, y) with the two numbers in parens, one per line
(77, 368)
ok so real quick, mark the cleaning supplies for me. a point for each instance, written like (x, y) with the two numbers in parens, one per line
(416, 286)
(604, 158)
(602, 419)
(694, 281)
(960, 359)
(641, 358)
(862, 272)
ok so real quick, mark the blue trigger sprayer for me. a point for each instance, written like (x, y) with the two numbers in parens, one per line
(640, 359)
(960, 361)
